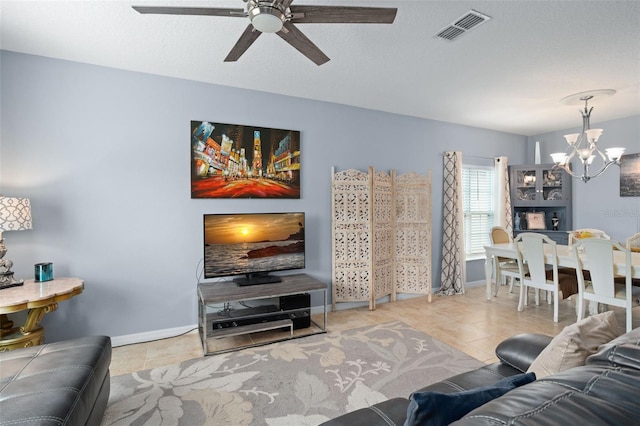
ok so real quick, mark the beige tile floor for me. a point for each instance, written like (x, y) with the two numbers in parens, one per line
(467, 322)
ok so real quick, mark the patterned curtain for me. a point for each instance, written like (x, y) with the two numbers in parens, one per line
(503, 197)
(453, 273)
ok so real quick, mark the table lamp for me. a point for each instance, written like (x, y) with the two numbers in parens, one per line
(15, 215)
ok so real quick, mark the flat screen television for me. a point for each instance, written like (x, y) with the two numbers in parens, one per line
(253, 245)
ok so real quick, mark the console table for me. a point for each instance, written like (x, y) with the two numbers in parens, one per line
(38, 298)
(241, 323)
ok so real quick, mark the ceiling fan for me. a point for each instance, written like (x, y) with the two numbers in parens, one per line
(278, 16)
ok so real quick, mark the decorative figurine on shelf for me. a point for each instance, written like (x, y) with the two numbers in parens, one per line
(523, 220)
(555, 221)
(517, 221)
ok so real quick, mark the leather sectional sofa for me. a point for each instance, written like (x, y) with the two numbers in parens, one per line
(603, 391)
(61, 383)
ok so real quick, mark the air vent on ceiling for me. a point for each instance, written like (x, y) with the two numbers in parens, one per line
(468, 21)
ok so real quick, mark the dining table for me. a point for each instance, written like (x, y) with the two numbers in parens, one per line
(565, 259)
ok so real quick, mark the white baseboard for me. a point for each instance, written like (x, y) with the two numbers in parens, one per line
(476, 284)
(149, 336)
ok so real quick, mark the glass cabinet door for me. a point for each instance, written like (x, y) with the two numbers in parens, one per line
(552, 185)
(526, 185)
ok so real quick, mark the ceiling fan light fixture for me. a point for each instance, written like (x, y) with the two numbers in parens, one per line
(279, 16)
(266, 19)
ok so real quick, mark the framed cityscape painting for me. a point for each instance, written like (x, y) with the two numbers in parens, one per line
(236, 161)
(630, 175)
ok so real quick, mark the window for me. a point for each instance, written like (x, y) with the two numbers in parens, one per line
(478, 191)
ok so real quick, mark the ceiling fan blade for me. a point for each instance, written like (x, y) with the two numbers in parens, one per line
(297, 39)
(342, 14)
(246, 39)
(206, 11)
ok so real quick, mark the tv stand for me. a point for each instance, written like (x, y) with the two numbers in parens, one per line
(256, 279)
(242, 328)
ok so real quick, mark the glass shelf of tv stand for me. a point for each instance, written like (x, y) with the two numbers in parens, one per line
(234, 337)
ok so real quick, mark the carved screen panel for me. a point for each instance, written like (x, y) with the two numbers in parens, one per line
(352, 237)
(413, 233)
(383, 236)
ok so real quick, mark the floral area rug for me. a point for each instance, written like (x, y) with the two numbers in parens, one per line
(299, 382)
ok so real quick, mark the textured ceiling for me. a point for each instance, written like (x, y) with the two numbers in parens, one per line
(507, 74)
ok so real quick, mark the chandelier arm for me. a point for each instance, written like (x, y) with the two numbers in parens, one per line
(605, 167)
(566, 168)
(585, 174)
(596, 149)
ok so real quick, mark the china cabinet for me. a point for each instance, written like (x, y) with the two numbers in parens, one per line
(541, 200)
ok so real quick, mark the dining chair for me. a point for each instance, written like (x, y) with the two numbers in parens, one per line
(602, 288)
(633, 242)
(505, 267)
(531, 250)
(578, 234)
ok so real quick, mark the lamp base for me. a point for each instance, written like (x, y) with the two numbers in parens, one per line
(6, 274)
(7, 280)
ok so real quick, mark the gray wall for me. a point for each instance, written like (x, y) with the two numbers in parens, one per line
(597, 203)
(103, 154)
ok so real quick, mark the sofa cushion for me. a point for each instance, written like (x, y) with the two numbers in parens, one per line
(435, 408)
(571, 347)
(589, 395)
(521, 350)
(391, 412)
(54, 384)
(483, 376)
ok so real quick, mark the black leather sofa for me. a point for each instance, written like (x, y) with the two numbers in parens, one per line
(605, 391)
(61, 383)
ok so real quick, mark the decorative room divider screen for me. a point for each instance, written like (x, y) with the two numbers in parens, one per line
(381, 235)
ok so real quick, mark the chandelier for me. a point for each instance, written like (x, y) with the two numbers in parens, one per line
(584, 145)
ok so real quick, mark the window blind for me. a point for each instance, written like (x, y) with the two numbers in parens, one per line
(478, 192)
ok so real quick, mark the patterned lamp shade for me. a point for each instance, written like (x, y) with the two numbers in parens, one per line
(15, 214)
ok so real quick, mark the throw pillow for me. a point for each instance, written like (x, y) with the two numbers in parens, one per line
(575, 343)
(435, 408)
